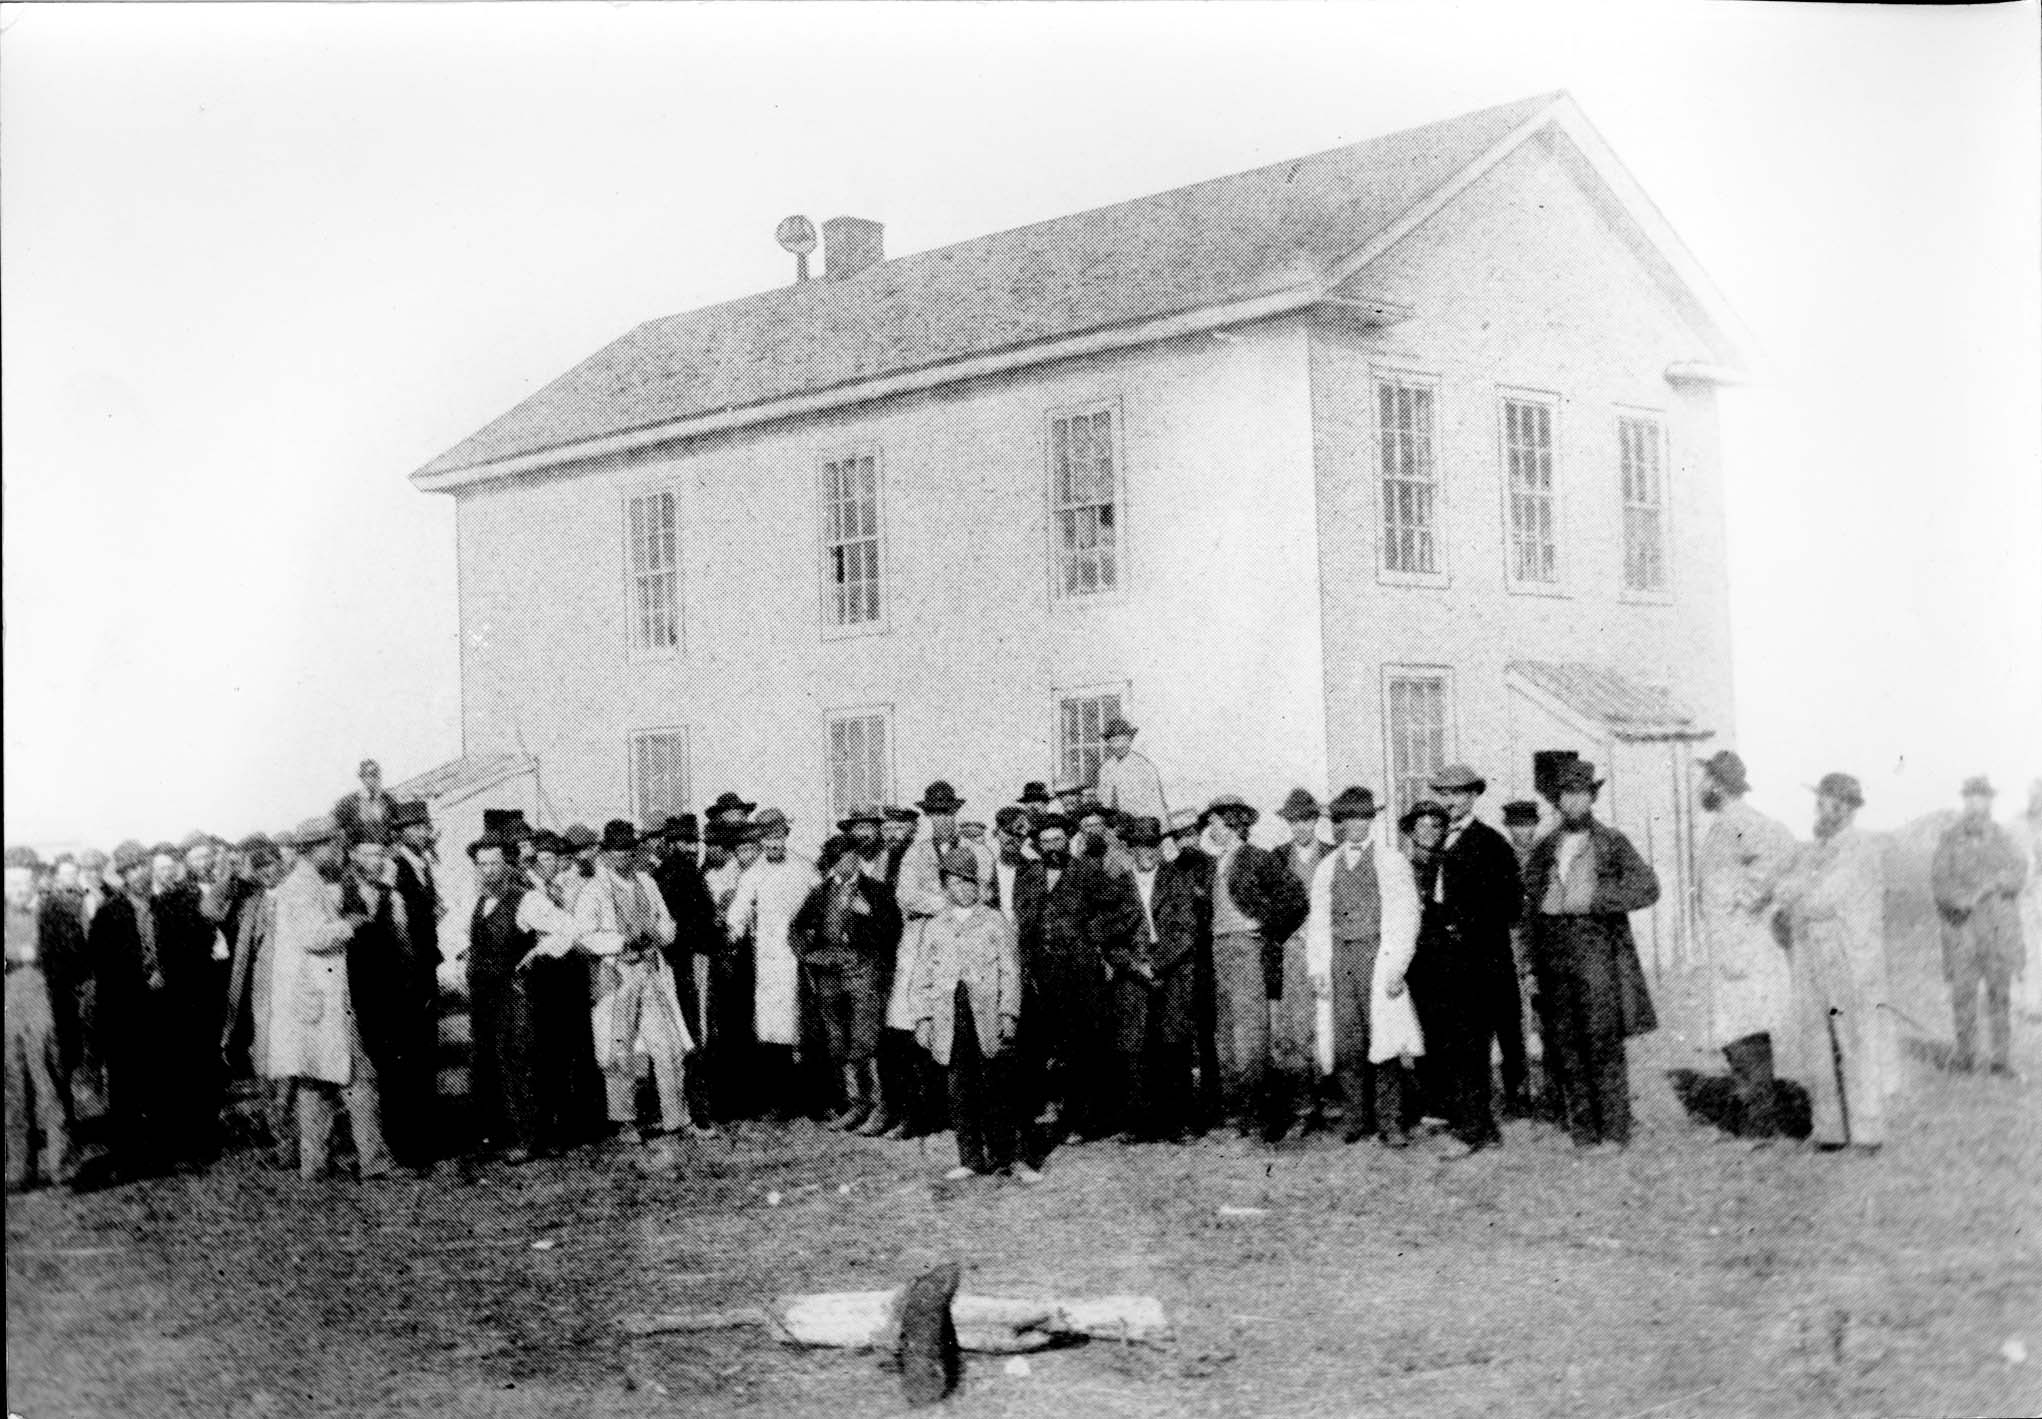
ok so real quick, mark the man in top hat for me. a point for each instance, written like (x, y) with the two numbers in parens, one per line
(1582, 882)
(36, 1104)
(638, 1025)
(1977, 876)
(1128, 782)
(1833, 898)
(1481, 892)
(508, 826)
(1293, 1023)
(910, 1102)
(965, 998)
(313, 1037)
(768, 896)
(365, 812)
(1034, 794)
(1742, 856)
(1257, 905)
(1360, 938)
(1073, 918)
(849, 925)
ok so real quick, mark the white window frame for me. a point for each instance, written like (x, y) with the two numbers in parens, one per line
(1449, 725)
(635, 780)
(1664, 592)
(832, 629)
(1442, 573)
(1507, 395)
(885, 792)
(1123, 565)
(632, 614)
(1122, 689)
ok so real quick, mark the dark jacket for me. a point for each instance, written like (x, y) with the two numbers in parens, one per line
(381, 983)
(1067, 936)
(1624, 883)
(421, 898)
(1484, 894)
(874, 933)
(1262, 885)
(681, 886)
(66, 963)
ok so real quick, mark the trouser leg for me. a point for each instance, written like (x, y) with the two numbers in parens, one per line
(1965, 979)
(1999, 1017)
(517, 1065)
(279, 1103)
(1863, 1101)
(1392, 1102)
(967, 1081)
(365, 1115)
(315, 1126)
(1472, 1114)
(45, 1070)
(1751, 1075)
(20, 1108)
(1241, 1026)
(1352, 969)
(1506, 1022)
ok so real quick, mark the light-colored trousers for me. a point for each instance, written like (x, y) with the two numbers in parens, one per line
(32, 1074)
(1841, 1045)
(316, 1101)
(641, 1029)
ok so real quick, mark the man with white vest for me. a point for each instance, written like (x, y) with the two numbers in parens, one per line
(768, 895)
(1359, 940)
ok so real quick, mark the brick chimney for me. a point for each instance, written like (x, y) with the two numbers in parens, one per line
(851, 245)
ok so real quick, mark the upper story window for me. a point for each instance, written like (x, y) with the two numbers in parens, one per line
(851, 592)
(1086, 527)
(1640, 444)
(653, 530)
(1082, 717)
(659, 774)
(1528, 475)
(1407, 439)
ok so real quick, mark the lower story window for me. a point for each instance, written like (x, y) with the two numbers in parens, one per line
(659, 774)
(860, 758)
(1417, 725)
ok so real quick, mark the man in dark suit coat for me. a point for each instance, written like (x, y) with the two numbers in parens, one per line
(847, 928)
(1582, 882)
(1155, 978)
(1477, 895)
(1074, 916)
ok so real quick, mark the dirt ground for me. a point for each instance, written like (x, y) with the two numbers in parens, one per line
(1689, 1276)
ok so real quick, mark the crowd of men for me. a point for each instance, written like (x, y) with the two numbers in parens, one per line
(1087, 965)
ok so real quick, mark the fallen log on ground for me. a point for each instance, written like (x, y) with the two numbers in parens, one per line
(869, 1320)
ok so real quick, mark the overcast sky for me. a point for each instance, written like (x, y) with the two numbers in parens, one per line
(261, 262)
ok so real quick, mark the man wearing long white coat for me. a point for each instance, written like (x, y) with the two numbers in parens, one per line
(313, 1041)
(1834, 899)
(1742, 856)
(768, 895)
(622, 920)
(1359, 940)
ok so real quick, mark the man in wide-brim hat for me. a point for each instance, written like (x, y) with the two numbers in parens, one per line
(1293, 1022)
(1128, 781)
(1977, 877)
(1742, 856)
(1582, 882)
(1478, 895)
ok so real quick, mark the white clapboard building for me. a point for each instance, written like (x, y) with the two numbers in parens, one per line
(1326, 473)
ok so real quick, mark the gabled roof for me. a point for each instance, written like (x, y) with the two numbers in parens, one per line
(1229, 249)
(463, 778)
(1626, 708)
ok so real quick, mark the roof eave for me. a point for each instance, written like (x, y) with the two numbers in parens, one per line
(1180, 323)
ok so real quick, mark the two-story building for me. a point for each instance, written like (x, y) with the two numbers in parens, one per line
(1330, 472)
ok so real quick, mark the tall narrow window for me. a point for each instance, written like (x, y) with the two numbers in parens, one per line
(1081, 722)
(655, 555)
(1638, 446)
(860, 758)
(659, 774)
(850, 542)
(1084, 503)
(1416, 721)
(1404, 420)
(1528, 463)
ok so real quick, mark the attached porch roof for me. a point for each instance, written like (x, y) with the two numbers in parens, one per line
(1623, 706)
(458, 779)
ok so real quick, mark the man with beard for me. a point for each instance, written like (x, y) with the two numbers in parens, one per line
(863, 824)
(1010, 836)
(251, 992)
(1257, 903)
(897, 831)
(314, 1038)
(912, 1101)
(1480, 894)
(1977, 876)
(1155, 990)
(1742, 856)
(1073, 916)
(1359, 942)
(1833, 896)
(383, 996)
(843, 933)
(1097, 841)
(768, 897)
(1582, 882)
(638, 1024)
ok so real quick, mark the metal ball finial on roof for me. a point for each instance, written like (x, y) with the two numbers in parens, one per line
(796, 234)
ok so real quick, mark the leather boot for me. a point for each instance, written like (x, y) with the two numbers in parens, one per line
(881, 1117)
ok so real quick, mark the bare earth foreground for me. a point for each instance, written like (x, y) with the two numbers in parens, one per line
(1690, 1276)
